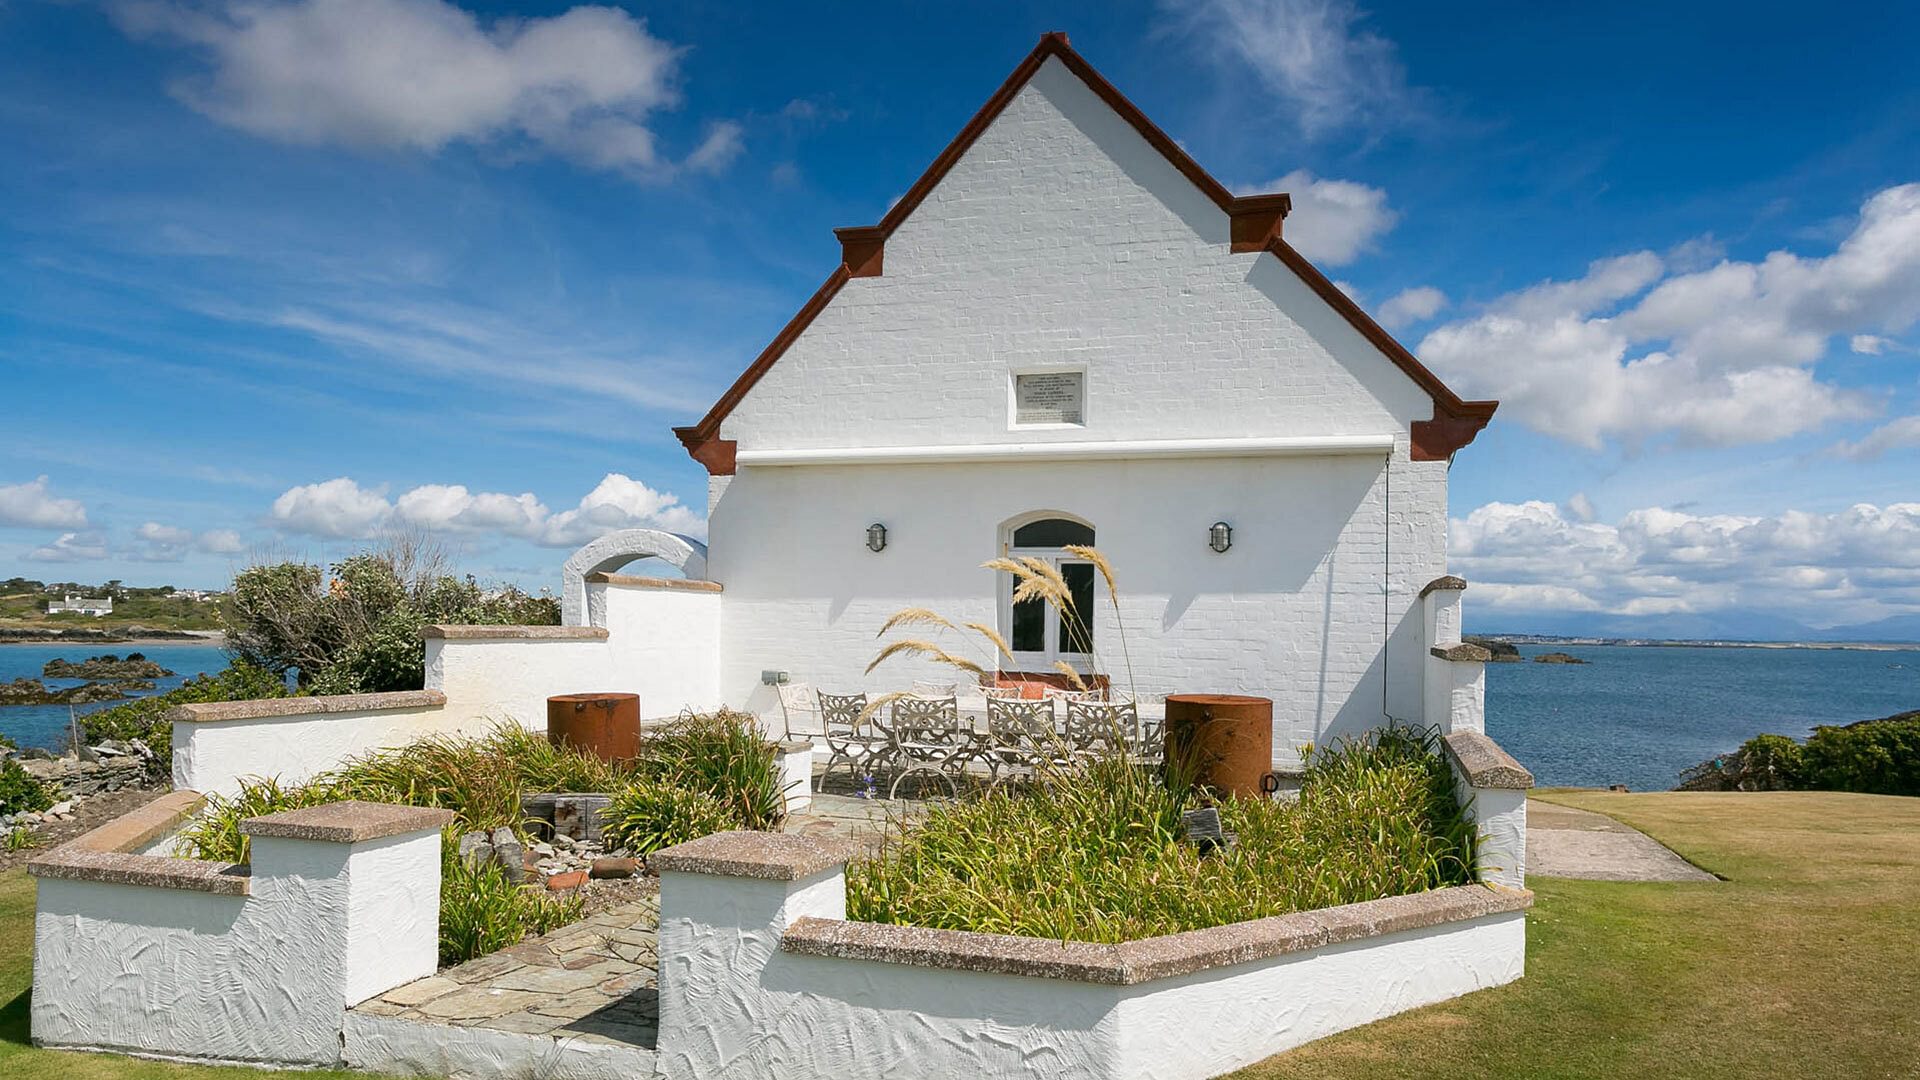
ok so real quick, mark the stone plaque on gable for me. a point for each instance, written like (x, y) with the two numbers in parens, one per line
(1049, 397)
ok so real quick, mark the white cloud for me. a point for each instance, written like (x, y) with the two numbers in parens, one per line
(156, 533)
(337, 508)
(1719, 356)
(1894, 435)
(421, 74)
(219, 542)
(1581, 506)
(1410, 306)
(1868, 344)
(341, 508)
(619, 502)
(1332, 222)
(156, 542)
(1864, 560)
(71, 547)
(723, 145)
(31, 506)
(1311, 54)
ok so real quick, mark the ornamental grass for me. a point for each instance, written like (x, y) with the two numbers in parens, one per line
(1096, 853)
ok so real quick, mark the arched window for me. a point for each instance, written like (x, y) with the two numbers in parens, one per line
(1039, 636)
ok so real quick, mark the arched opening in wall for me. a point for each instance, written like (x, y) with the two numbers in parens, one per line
(650, 552)
(1041, 638)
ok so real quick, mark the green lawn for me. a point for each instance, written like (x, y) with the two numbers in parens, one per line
(1805, 961)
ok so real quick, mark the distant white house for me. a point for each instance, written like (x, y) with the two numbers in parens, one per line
(84, 605)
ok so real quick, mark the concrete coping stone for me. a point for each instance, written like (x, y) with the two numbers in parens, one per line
(1130, 963)
(601, 577)
(1484, 764)
(764, 855)
(153, 871)
(253, 709)
(1450, 583)
(142, 825)
(514, 633)
(794, 746)
(1464, 652)
(351, 822)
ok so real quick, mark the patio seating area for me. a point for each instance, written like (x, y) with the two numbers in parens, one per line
(937, 737)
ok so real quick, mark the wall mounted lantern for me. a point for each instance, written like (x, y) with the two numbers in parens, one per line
(876, 537)
(1220, 537)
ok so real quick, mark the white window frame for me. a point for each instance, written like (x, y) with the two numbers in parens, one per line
(1044, 660)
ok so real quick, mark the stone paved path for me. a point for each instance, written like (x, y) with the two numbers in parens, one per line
(1564, 842)
(594, 980)
(863, 821)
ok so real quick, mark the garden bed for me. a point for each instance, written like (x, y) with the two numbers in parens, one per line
(1097, 853)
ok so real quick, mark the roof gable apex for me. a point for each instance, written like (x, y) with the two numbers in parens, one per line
(1255, 226)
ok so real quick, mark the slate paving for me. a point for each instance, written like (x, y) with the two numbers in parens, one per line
(1565, 842)
(595, 980)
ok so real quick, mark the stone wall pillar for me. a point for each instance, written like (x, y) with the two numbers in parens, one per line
(725, 900)
(1455, 672)
(1493, 787)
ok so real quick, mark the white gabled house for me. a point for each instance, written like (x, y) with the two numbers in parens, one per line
(1065, 332)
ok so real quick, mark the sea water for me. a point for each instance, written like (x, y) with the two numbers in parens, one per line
(1634, 715)
(46, 725)
(1637, 715)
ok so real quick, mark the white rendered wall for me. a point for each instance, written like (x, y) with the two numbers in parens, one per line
(264, 978)
(213, 756)
(491, 680)
(1293, 611)
(1217, 1021)
(1500, 820)
(664, 642)
(731, 1003)
(1062, 237)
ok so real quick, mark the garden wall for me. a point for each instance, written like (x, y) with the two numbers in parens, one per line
(498, 673)
(762, 975)
(212, 961)
(218, 744)
(664, 634)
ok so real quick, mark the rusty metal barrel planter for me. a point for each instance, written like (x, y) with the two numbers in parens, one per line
(605, 725)
(1228, 738)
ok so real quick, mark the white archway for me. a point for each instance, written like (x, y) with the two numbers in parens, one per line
(617, 549)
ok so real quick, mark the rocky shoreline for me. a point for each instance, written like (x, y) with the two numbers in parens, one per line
(36, 635)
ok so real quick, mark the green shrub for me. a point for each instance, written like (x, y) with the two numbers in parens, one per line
(1770, 763)
(1096, 853)
(721, 754)
(483, 911)
(355, 626)
(21, 791)
(1880, 757)
(142, 718)
(648, 815)
(215, 832)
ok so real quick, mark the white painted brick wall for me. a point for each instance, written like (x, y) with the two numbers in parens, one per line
(1063, 237)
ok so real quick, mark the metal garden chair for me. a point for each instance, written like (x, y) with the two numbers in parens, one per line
(928, 737)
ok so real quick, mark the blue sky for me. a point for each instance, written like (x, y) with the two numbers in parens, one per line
(277, 275)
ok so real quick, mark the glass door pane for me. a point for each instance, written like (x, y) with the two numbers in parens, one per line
(1076, 636)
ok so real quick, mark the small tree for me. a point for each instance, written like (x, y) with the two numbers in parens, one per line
(355, 627)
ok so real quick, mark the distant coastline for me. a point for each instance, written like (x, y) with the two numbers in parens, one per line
(90, 637)
(1700, 643)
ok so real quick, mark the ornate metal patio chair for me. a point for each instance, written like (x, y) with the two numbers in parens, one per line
(1101, 728)
(851, 737)
(1020, 736)
(800, 710)
(928, 738)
